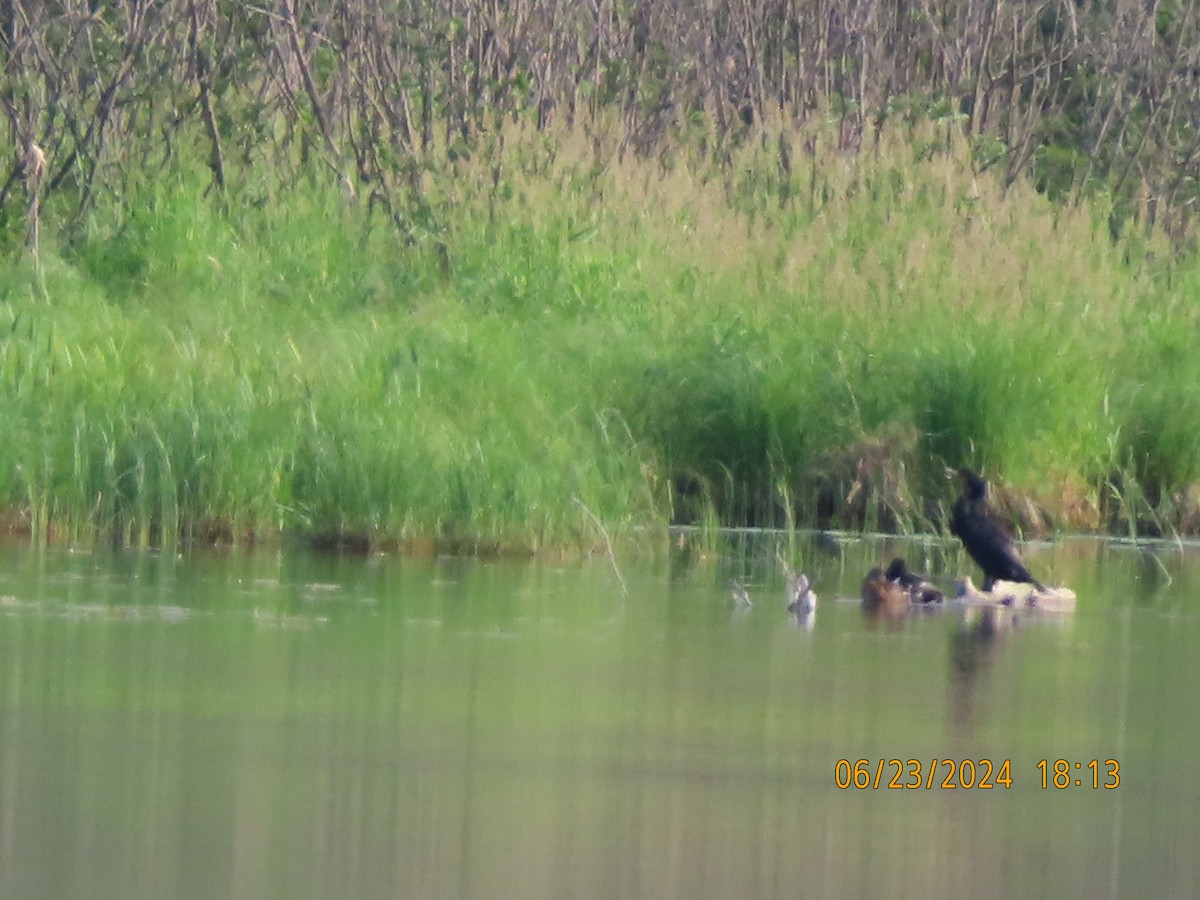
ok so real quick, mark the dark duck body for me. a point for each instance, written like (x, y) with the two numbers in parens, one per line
(918, 587)
(984, 537)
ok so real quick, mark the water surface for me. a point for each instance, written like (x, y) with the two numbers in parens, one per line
(279, 724)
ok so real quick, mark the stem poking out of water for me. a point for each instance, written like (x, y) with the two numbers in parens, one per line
(612, 557)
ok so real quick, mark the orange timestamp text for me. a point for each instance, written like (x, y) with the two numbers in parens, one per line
(967, 774)
(1089, 773)
(923, 774)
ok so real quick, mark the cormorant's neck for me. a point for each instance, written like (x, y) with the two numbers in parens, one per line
(976, 487)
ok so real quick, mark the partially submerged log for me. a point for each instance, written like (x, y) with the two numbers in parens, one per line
(1017, 596)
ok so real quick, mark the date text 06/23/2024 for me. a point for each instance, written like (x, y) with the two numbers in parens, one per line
(968, 774)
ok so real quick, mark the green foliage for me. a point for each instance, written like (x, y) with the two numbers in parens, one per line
(809, 343)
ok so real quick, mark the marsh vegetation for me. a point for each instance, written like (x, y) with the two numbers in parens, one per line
(429, 275)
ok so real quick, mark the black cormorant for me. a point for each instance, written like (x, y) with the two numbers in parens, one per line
(984, 537)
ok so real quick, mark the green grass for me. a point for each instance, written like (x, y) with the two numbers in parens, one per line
(567, 326)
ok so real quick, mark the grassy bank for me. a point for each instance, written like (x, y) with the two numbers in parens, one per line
(808, 340)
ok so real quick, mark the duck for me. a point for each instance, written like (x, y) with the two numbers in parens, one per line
(918, 586)
(984, 537)
(801, 597)
(883, 596)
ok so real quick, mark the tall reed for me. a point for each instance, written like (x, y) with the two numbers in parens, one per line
(790, 335)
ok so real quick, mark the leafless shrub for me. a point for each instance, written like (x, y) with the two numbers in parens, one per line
(1078, 93)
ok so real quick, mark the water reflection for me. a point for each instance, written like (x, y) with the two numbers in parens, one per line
(973, 647)
(249, 725)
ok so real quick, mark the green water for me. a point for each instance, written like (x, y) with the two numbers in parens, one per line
(287, 725)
